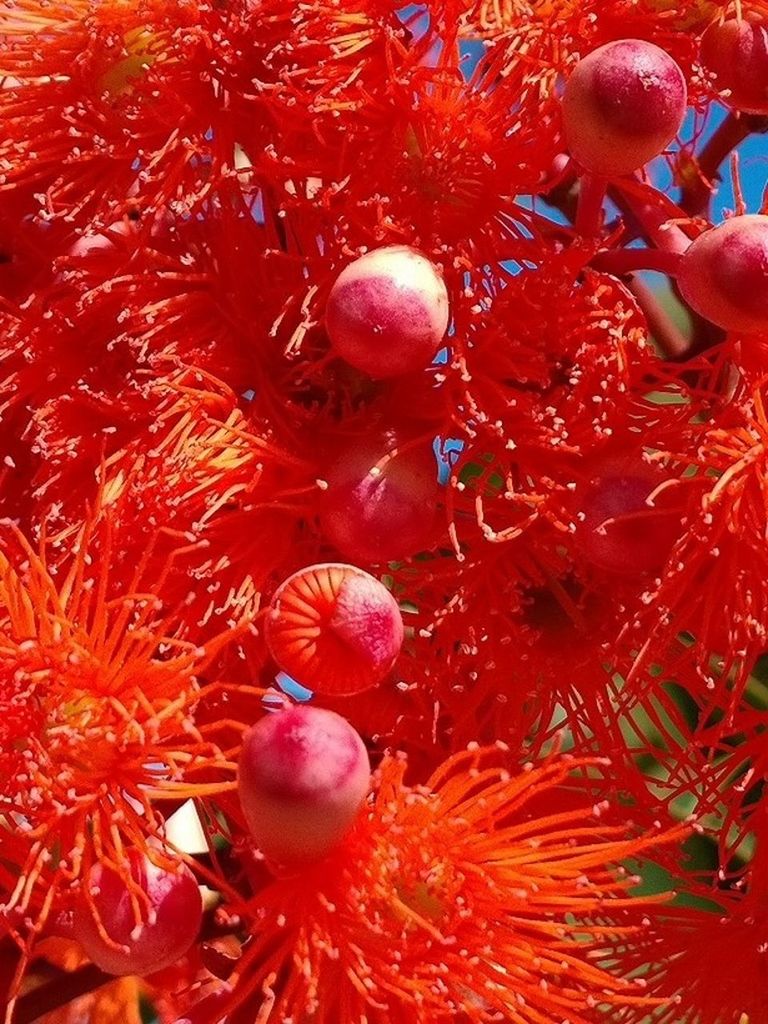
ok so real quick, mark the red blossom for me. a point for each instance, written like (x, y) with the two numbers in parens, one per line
(192, 435)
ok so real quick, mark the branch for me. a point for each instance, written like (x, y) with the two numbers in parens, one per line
(669, 337)
(623, 261)
(654, 215)
(698, 191)
(589, 209)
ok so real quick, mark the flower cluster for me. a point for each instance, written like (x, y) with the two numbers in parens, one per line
(383, 512)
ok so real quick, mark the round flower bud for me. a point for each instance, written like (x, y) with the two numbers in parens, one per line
(100, 243)
(623, 104)
(377, 509)
(736, 52)
(626, 528)
(387, 312)
(170, 917)
(723, 274)
(334, 629)
(304, 774)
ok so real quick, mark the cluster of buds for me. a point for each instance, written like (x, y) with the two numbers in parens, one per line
(383, 512)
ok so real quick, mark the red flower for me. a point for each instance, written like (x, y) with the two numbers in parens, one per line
(98, 700)
(453, 900)
(713, 588)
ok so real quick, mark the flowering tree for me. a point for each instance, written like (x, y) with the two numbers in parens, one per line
(384, 502)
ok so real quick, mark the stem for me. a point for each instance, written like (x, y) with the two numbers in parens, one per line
(655, 215)
(655, 219)
(62, 990)
(562, 196)
(698, 190)
(623, 261)
(589, 212)
(671, 340)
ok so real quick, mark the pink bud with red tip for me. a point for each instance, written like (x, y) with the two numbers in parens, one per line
(723, 275)
(380, 507)
(169, 912)
(628, 521)
(304, 774)
(623, 104)
(387, 312)
(736, 52)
